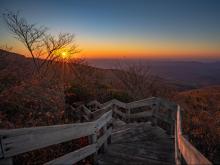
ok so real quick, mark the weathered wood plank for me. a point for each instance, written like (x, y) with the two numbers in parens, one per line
(141, 114)
(105, 143)
(191, 155)
(141, 103)
(178, 121)
(94, 141)
(177, 153)
(134, 115)
(103, 119)
(119, 103)
(74, 157)
(189, 152)
(102, 110)
(86, 110)
(23, 140)
(41, 129)
(110, 102)
(1, 149)
(123, 115)
(164, 118)
(94, 102)
(135, 104)
(141, 144)
(86, 118)
(104, 138)
(115, 102)
(167, 104)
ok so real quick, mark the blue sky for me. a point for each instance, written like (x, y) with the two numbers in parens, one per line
(103, 26)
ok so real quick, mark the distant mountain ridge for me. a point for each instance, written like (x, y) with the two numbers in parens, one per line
(189, 73)
(181, 74)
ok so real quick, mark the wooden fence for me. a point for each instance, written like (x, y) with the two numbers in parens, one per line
(18, 141)
(185, 152)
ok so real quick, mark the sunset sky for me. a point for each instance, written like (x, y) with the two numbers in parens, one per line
(127, 28)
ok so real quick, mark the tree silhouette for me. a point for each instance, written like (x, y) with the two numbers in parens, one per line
(38, 42)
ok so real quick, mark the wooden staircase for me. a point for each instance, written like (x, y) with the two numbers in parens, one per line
(142, 132)
(138, 144)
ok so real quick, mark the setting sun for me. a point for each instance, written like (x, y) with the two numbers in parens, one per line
(64, 55)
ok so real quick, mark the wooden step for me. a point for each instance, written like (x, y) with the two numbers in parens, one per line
(139, 144)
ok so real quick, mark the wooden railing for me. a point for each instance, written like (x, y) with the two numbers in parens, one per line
(18, 141)
(154, 115)
(184, 150)
(116, 105)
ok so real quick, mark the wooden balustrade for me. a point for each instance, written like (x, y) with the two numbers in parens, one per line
(17, 141)
(184, 149)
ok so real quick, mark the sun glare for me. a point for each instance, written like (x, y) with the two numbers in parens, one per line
(64, 55)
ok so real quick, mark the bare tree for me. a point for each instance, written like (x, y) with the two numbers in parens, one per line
(136, 79)
(30, 35)
(39, 43)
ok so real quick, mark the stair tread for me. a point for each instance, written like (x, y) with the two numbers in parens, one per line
(140, 144)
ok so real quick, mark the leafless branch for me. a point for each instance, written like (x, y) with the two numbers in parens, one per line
(29, 34)
(136, 78)
(39, 43)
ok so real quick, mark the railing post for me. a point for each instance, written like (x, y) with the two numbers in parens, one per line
(110, 137)
(109, 140)
(178, 131)
(177, 152)
(5, 161)
(155, 112)
(113, 110)
(94, 141)
(128, 115)
(105, 145)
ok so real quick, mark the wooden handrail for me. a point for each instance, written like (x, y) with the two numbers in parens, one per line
(184, 149)
(17, 141)
(134, 104)
(150, 102)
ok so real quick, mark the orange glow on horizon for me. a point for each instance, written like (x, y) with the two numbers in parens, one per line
(138, 54)
(151, 50)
